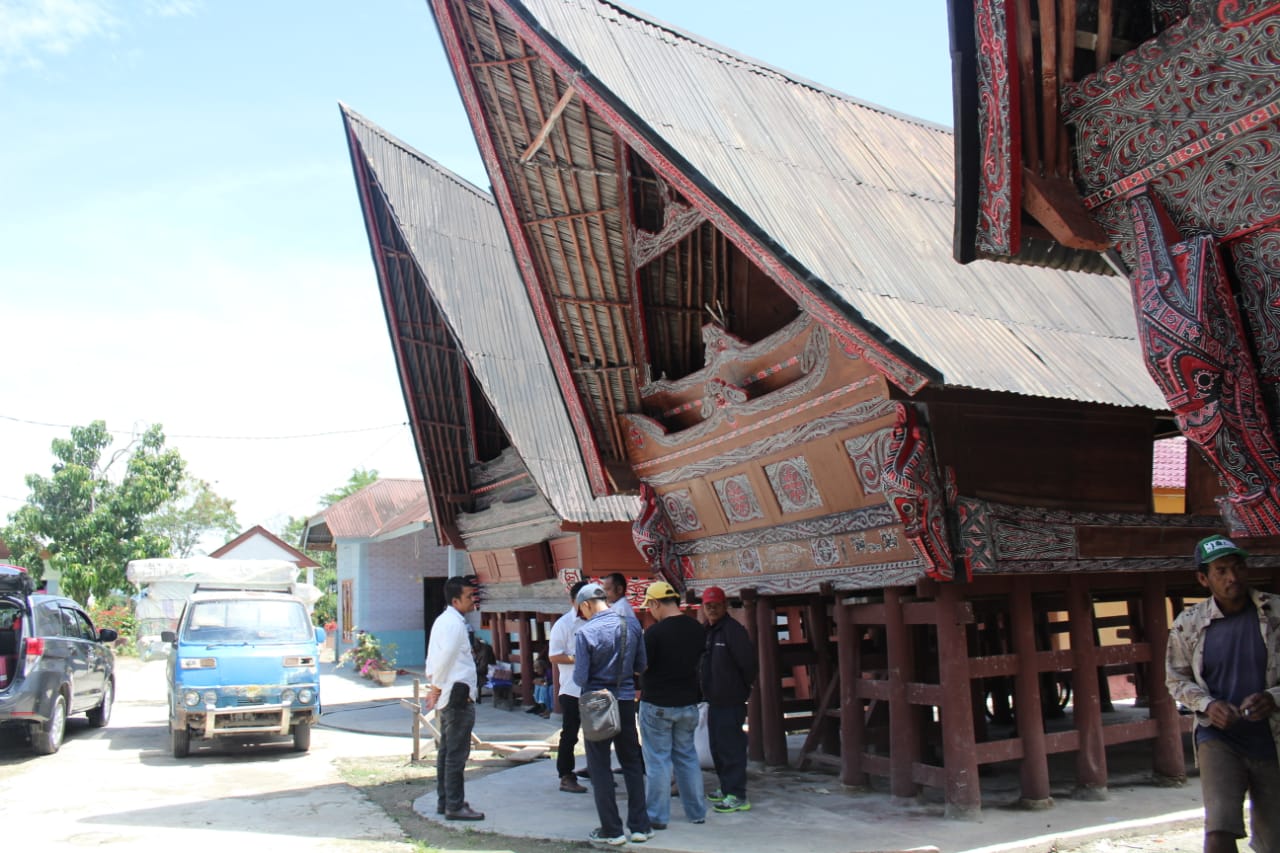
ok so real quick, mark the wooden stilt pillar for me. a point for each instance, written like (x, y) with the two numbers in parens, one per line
(526, 659)
(819, 625)
(774, 735)
(1091, 758)
(755, 726)
(1034, 769)
(1167, 758)
(904, 719)
(853, 721)
(959, 751)
(501, 642)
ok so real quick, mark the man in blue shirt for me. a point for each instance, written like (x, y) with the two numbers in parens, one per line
(609, 652)
(1223, 662)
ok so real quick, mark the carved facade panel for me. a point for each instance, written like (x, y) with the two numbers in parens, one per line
(1256, 261)
(793, 485)
(680, 510)
(738, 499)
(998, 218)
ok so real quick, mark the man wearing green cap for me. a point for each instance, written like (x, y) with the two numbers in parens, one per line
(1223, 662)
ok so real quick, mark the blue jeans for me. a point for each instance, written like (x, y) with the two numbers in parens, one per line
(667, 737)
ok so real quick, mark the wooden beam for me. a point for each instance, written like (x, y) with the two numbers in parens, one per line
(547, 125)
(1056, 205)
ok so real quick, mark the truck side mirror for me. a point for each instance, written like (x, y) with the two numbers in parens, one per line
(168, 637)
(319, 636)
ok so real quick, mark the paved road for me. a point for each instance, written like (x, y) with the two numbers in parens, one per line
(120, 787)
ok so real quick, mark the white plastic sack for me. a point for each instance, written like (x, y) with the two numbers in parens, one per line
(702, 740)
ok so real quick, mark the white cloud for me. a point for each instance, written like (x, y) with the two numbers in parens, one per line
(31, 30)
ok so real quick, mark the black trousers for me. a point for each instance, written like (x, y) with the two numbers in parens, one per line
(572, 724)
(457, 719)
(729, 746)
(627, 744)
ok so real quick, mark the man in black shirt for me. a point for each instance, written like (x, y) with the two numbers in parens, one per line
(669, 707)
(727, 675)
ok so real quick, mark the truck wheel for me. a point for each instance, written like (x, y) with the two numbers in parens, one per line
(180, 742)
(99, 716)
(301, 737)
(47, 737)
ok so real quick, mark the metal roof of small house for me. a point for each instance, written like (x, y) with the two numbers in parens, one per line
(380, 507)
(464, 264)
(848, 206)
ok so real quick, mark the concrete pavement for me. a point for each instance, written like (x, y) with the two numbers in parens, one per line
(792, 811)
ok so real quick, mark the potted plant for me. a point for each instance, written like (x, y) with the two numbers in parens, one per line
(382, 669)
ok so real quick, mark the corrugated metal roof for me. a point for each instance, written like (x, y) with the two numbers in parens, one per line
(860, 199)
(459, 244)
(369, 511)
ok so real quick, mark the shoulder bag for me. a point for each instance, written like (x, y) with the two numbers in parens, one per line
(599, 708)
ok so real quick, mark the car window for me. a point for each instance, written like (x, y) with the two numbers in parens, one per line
(49, 620)
(79, 624)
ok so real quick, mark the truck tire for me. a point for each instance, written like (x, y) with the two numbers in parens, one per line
(180, 742)
(99, 716)
(302, 737)
(47, 736)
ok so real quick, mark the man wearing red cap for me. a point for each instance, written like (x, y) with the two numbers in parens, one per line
(1223, 662)
(728, 671)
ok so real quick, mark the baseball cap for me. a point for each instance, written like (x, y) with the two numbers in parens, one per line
(713, 593)
(1211, 548)
(589, 592)
(658, 590)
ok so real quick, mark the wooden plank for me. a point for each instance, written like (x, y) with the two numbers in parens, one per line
(547, 125)
(1055, 204)
(995, 751)
(1128, 732)
(991, 666)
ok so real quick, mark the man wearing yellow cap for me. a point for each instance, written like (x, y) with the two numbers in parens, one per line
(669, 707)
(1223, 662)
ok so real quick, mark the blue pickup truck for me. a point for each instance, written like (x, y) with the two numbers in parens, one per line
(243, 663)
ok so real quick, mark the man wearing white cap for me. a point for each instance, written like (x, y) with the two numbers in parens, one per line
(1223, 662)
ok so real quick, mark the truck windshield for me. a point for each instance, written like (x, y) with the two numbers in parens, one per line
(247, 622)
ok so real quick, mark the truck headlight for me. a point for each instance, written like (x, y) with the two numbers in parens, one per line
(191, 698)
(286, 696)
(306, 695)
(211, 697)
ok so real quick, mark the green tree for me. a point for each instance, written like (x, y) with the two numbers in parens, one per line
(193, 512)
(88, 522)
(326, 608)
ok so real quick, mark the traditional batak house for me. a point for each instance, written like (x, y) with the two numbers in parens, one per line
(504, 478)
(1144, 135)
(918, 477)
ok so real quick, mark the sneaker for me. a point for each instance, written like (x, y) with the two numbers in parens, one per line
(730, 803)
(716, 796)
(598, 837)
(640, 837)
(699, 820)
(653, 824)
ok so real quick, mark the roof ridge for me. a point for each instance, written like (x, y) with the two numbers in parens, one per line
(763, 66)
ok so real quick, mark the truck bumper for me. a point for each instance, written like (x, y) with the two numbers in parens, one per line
(250, 719)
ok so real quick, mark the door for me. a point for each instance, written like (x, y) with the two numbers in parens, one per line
(433, 605)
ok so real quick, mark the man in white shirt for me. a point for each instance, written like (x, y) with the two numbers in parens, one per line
(615, 593)
(560, 652)
(451, 676)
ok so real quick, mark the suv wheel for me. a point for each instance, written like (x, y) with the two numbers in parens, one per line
(99, 716)
(46, 738)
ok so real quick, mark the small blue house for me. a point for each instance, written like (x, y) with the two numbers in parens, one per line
(391, 572)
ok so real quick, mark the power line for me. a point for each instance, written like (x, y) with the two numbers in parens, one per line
(221, 437)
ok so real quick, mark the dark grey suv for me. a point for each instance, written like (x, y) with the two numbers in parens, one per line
(53, 662)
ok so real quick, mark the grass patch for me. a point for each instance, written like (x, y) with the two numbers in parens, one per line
(393, 783)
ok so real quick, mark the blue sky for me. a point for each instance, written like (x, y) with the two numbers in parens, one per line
(180, 238)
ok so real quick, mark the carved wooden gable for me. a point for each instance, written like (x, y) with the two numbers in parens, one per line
(783, 464)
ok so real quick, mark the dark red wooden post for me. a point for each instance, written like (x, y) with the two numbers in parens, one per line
(1027, 713)
(959, 752)
(755, 719)
(526, 659)
(1086, 700)
(1167, 759)
(819, 625)
(775, 737)
(853, 722)
(904, 721)
(501, 642)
